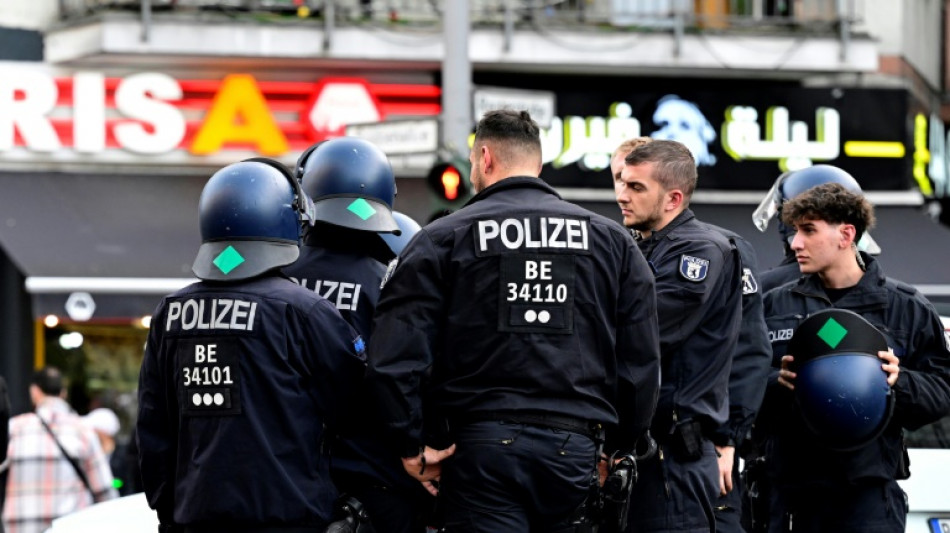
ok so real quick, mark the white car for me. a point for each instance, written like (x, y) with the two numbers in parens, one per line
(129, 514)
(929, 450)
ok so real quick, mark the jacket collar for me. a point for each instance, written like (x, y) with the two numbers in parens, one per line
(869, 291)
(514, 182)
(647, 245)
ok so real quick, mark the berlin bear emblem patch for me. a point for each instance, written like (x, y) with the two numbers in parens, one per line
(749, 285)
(693, 268)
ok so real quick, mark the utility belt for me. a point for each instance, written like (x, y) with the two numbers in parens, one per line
(684, 437)
(594, 430)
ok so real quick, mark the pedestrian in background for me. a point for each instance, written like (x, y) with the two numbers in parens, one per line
(5, 436)
(699, 307)
(56, 463)
(245, 371)
(816, 488)
(518, 328)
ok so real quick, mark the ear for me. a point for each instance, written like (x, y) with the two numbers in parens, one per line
(485, 157)
(847, 233)
(674, 199)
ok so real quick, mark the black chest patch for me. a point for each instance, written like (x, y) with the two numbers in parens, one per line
(210, 377)
(536, 293)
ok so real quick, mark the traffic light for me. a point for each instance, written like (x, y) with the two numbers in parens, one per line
(448, 181)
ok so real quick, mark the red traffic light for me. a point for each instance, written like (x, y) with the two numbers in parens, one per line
(448, 182)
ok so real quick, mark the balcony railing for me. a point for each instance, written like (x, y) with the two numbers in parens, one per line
(598, 15)
(677, 17)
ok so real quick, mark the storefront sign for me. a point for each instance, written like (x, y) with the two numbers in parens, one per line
(403, 136)
(742, 134)
(89, 116)
(540, 104)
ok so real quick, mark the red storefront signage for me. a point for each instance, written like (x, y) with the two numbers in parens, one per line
(153, 113)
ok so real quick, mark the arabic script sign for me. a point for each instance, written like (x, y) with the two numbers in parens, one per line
(742, 134)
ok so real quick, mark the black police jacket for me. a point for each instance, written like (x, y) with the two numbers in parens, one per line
(237, 384)
(922, 392)
(699, 301)
(346, 266)
(518, 302)
(782, 273)
(752, 359)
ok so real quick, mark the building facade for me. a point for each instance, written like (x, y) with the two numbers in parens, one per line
(113, 113)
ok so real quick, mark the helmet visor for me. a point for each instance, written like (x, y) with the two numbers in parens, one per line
(768, 208)
(868, 244)
(308, 213)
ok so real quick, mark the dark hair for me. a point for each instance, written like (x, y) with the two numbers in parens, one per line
(832, 203)
(49, 379)
(517, 129)
(675, 166)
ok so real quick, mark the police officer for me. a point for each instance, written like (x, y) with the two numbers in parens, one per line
(815, 487)
(788, 186)
(750, 367)
(343, 259)
(243, 370)
(408, 228)
(527, 324)
(698, 285)
(344, 256)
(747, 378)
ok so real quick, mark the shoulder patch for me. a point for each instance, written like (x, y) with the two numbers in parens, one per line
(389, 272)
(359, 346)
(693, 268)
(749, 285)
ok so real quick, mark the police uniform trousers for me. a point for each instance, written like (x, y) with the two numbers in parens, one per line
(391, 509)
(728, 508)
(871, 506)
(675, 495)
(516, 477)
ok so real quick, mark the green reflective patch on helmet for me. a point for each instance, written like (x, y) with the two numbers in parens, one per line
(362, 209)
(228, 260)
(832, 333)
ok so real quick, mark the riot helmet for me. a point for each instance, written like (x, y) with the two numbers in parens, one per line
(791, 184)
(251, 216)
(407, 228)
(840, 387)
(351, 183)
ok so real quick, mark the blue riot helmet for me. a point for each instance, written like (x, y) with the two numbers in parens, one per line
(407, 228)
(251, 216)
(351, 183)
(840, 387)
(791, 184)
